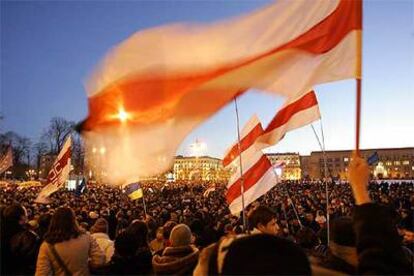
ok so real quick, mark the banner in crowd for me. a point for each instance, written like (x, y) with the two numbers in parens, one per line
(58, 174)
(144, 91)
(7, 160)
(258, 176)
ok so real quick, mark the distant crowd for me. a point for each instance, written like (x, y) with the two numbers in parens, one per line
(186, 230)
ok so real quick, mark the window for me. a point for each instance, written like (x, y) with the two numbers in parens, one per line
(406, 162)
(389, 163)
(346, 159)
(397, 163)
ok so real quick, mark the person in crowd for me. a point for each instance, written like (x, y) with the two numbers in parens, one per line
(263, 220)
(19, 246)
(342, 253)
(67, 250)
(44, 221)
(158, 244)
(180, 258)
(132, 253)
(307, 240)
(378, 244)
(99, 232)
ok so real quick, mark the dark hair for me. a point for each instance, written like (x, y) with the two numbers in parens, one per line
(11, 216)
(342, 231)
(63, 226)
(263, 254)
(138, 230)
(13, 213)
(261, 214)
(306, 238)
(125, 245)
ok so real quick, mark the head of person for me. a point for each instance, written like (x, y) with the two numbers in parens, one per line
(264, 254)
(15, 214)
(343, 240)
(139, 232)
(125, 244)
(159, 235)
(342, 232)
(168, 226)
(63, 226)
(180, 235)
(306, 238)
(264, 219)
(100, 226)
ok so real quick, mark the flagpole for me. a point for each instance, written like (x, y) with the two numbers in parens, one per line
(326, 174)
(358, 114)
(143, 202)
(241, 169)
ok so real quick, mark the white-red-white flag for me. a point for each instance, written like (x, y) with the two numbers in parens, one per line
(58, 174)
(294, 114)
(7, 160)
(258, 176)
(155, 87)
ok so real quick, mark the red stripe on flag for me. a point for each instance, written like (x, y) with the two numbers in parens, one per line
(285, 114)
(250, 178)
(245, 143)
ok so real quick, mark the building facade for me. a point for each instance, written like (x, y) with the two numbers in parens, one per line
(204, 168)
(393, 163)
(289, 163)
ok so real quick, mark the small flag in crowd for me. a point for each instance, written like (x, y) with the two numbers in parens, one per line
(81, 188)
(373, 159)
(143, 91)
(258, 176)
(133, 191)
(58, 174)
(6, 161)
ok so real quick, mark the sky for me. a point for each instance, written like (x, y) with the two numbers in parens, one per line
(48, 49)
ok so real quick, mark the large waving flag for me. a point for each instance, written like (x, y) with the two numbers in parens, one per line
(7, 160)
(258, 176)
(58, 174)
(155, 87)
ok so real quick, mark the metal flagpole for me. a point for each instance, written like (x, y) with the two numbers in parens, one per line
(326, 176)
(143, 201)
(241, 169)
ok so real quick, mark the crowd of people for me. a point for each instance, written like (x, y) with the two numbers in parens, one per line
(184, 230)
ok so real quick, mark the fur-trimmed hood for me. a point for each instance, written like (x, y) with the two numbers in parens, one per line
(176, 260)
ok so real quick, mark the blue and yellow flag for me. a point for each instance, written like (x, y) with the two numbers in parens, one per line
(134, 191)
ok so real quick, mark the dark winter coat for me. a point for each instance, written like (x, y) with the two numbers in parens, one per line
(176, 260)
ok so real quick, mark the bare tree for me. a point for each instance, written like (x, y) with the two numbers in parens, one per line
(39, 149)
(56, 133)
(20, 146)
(78, 153)
(21, 151)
